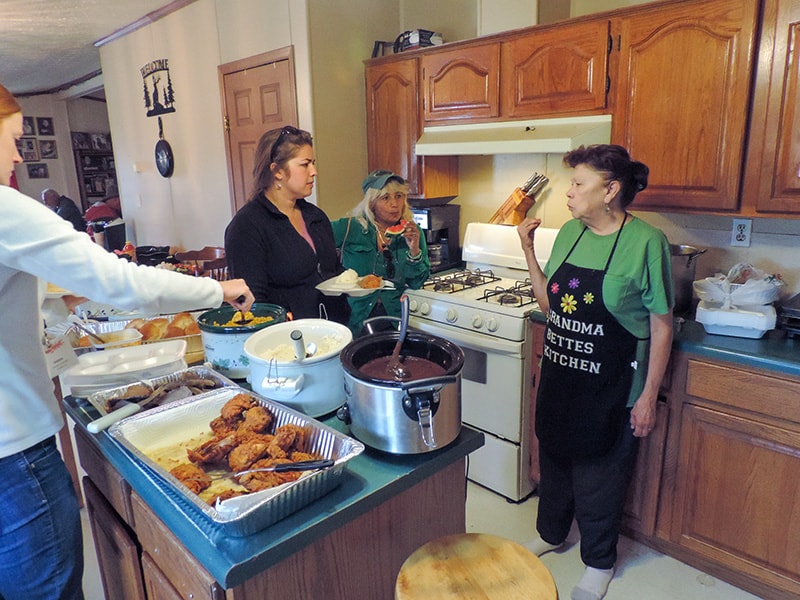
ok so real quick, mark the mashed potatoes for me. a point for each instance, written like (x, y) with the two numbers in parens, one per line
(285, 352)
(348, 279)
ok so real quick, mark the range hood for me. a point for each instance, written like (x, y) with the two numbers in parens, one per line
(515, 137)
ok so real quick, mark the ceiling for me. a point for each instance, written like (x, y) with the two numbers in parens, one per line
(48, 45)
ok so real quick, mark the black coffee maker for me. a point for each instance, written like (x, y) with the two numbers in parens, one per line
(440, 225)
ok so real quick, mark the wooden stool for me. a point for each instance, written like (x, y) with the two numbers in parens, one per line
(474, 565)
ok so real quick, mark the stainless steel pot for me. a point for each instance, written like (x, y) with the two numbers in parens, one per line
(402, 417)
(683, 268)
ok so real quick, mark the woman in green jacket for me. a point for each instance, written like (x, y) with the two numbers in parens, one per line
(367, 248)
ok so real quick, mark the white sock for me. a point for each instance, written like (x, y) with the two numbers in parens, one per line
(593, 585)
(538, 546)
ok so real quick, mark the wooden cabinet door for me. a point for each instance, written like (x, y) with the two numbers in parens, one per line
(558, 70)
(774, 157)
(737, 495)
(393, 126)
(158, 586)
(463, 83)
(116, 548)
(681, 99)
(641, 506)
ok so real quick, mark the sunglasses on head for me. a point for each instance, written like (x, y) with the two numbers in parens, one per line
(288, 130)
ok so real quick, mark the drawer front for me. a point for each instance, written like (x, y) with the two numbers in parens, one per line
(748, 390)
(110, 483)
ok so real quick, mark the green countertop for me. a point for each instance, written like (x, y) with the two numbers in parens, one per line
(775, 351)
(368, 480)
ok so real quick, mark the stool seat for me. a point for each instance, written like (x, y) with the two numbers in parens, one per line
(477, 566)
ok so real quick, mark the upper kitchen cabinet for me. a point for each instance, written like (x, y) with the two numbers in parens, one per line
(462, 83)
(773, 167)
(562, 69)
(681, 99)
(393, 126)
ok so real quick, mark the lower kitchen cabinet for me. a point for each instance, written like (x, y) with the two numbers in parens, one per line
(727, 495)
(116, 547)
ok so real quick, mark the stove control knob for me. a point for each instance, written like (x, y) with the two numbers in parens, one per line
(477, 321)
(425, 308)
(492, 325)
(413, 305)
(451, 315)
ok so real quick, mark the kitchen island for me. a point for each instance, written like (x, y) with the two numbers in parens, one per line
(348, 544)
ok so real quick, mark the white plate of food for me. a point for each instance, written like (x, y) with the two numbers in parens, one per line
(351, 284)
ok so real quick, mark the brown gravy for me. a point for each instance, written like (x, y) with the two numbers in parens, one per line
(415, 367)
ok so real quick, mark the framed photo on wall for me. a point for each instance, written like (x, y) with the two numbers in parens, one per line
(28, 149)
(28, 126)
(38, 171)
(100, 141)
(45, 126)
(47, 149)
(81, 140)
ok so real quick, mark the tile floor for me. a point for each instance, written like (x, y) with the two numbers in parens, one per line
(642, 573)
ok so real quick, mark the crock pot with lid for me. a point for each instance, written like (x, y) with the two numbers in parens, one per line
(224, 344)
(314, 384)
(403, 417)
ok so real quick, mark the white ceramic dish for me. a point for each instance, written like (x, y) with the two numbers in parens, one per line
(110, 368)
(330, 287)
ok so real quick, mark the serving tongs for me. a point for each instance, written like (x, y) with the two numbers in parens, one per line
(89, 332)
(301, 465)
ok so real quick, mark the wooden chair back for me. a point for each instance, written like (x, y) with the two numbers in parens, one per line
(198, 256)
(217, 269)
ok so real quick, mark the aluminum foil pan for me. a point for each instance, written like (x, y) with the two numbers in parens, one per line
(101, 399)
(146, 435)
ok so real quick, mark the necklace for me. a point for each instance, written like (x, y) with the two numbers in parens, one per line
(382, 241)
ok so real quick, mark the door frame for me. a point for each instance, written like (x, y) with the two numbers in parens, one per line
(251, 62)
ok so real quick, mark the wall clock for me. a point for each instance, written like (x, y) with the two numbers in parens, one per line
(165, 162)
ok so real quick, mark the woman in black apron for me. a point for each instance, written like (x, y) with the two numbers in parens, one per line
(601, 366)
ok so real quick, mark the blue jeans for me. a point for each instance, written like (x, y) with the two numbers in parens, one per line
(41, 545)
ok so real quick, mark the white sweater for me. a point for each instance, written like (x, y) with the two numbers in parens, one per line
(35, 243)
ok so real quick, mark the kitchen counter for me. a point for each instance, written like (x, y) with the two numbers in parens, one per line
(368, 482)
(775, 351)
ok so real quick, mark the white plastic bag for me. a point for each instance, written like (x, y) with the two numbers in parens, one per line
(744, 285)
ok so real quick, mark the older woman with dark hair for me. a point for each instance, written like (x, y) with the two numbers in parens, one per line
(279, 243)
(368, 248)
(607, 294)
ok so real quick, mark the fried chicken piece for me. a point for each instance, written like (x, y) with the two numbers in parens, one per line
(212, 451)
(244, 435)
(225, 495)
(192, 476)
(257, 419)
(287, 439)
(255, 482)
(221, 427)
(297, 456)
(244, 455)
(234, 409)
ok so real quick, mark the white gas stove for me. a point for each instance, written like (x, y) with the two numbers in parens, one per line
(484, 309)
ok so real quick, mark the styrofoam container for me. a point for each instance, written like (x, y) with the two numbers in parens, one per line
(97, 371)
(753, 322)
(154, 432)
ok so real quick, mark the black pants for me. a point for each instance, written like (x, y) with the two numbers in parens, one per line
(593, 491)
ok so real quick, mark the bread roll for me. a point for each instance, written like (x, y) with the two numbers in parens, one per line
(155, 329)
(182, 320)
(173, 332)
(192, 329)
(136, 324)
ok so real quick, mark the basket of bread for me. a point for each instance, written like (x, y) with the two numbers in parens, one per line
(153, 329)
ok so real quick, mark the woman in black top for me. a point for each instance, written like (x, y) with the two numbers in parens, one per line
(279, 243)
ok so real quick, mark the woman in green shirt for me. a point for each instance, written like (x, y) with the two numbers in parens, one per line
(367, 248)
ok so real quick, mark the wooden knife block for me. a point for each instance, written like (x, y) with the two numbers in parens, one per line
(513, 210)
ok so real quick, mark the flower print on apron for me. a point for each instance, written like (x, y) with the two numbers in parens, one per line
(587, 365)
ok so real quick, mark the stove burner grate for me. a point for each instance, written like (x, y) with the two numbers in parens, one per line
(519, 294)
(459, 281)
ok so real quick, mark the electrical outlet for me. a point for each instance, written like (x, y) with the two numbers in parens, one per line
(740, 234)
